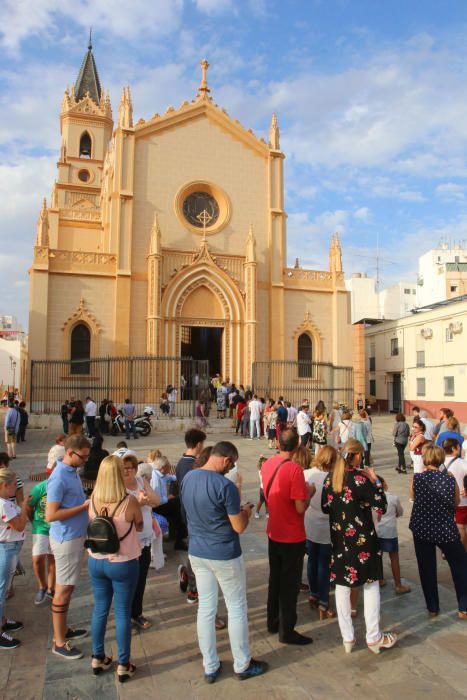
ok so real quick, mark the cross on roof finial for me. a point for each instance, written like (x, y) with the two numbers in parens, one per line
(90, 39)
(203, 88)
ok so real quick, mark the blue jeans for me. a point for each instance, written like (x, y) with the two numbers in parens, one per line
(230, 576)
(319, 557)
(130, 426)
(9, 552)
(112, 580)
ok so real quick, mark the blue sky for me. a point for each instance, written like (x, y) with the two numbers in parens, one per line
(371, 100)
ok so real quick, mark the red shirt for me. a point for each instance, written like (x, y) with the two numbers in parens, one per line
(284, 523)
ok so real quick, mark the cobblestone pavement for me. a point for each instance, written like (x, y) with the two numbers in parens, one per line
(428, 662)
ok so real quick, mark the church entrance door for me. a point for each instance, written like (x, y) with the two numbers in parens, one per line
(203, 343)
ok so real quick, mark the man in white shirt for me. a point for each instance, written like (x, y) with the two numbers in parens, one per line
(304, 425)
(90, 410)
(458, 468)
(256, 408)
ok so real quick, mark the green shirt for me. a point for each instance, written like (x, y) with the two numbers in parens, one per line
(37, 500)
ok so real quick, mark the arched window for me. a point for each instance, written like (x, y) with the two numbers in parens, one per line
(85, 145)
(305, 356)
(80, 349)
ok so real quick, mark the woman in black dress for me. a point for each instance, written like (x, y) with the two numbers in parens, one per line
(349, 495)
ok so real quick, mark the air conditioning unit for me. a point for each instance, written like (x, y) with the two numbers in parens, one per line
(456, 327)
(426, 333)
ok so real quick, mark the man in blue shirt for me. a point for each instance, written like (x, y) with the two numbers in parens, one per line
(129, 414)
(67, 513)
(215, 519)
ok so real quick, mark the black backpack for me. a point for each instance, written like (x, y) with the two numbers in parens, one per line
(102, 536)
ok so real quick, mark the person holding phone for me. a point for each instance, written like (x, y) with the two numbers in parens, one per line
(215, 519)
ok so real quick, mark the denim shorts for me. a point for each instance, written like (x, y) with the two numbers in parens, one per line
(388, 544)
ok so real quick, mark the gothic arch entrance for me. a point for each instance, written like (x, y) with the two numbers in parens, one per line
(202, 306)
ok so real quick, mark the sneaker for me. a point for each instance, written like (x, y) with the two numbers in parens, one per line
(257, 516)
(400, 590)
(67, 652)
(75, 634)
(40, 596)
(212, 677)
(191, 598)
(12, 626)
(255, 668)
(7, 642)
(183, 578)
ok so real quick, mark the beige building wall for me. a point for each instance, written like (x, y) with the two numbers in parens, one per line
(431, 359)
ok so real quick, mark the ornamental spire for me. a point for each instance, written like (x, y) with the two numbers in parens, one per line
(42, 231)
(335, 254)
(125, 111)
(274, 133)
(155, 239)
(250, 246)
(203, 88)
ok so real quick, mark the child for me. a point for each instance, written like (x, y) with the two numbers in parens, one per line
(271, 416)
(386, 529)
(43, 562)
(262, 499)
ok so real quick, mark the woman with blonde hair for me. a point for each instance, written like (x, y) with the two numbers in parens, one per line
(435, 496)
(114, 575)
(318, 538)
(350, 493)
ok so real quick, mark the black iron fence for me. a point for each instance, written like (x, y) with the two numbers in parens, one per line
(299, 380)
(142, 379)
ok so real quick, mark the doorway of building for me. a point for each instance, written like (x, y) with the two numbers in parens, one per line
(395, 394)
(203, 343)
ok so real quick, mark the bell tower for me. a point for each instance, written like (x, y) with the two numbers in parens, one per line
(86, 127)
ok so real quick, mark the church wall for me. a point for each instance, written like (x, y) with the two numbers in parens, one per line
(65, 292)
(319, 304)
(138, 317)
(198, 150)
(79, 238)
(262, 326)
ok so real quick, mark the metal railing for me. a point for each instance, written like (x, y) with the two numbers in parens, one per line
(142, 379)
(299, 380)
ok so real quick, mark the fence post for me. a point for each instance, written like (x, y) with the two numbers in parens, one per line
(193, 371)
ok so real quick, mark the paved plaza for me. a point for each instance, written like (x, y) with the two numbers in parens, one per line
(430, 660)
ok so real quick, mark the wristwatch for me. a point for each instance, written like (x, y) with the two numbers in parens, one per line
(378, 483)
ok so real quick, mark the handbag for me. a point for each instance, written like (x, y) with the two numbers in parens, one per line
(271, 480)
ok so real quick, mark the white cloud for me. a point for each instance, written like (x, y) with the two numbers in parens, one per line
(213, 6)
(450, 192)
(362, 214)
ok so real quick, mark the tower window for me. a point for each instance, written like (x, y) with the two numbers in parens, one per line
(305, 355)
(80, 349)
(85, 145)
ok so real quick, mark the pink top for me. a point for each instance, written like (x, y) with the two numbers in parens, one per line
(130, 547)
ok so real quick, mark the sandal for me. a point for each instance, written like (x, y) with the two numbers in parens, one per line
(313, 601)
(388, 639)
(220, 623)
(101, 663)
(142, 622)
(348, 646)
(326, 613)
(129, 672)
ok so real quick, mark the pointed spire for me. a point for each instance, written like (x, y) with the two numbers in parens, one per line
(297, 264)
(125, 110)
(250, 246)
(88, 77)
(335, 254)
(203, 89)
(274, 133)
(42, 231)
(155, 239)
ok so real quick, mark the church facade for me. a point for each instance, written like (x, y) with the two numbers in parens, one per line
(167, 237)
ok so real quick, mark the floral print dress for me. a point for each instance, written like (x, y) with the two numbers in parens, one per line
(356, 558)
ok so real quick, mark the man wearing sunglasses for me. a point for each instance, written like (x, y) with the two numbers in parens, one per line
(67, 513)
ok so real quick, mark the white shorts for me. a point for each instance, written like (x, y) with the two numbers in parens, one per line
(68, 560)
(40, 545)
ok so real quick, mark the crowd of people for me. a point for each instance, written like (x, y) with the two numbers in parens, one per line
(323, 498)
